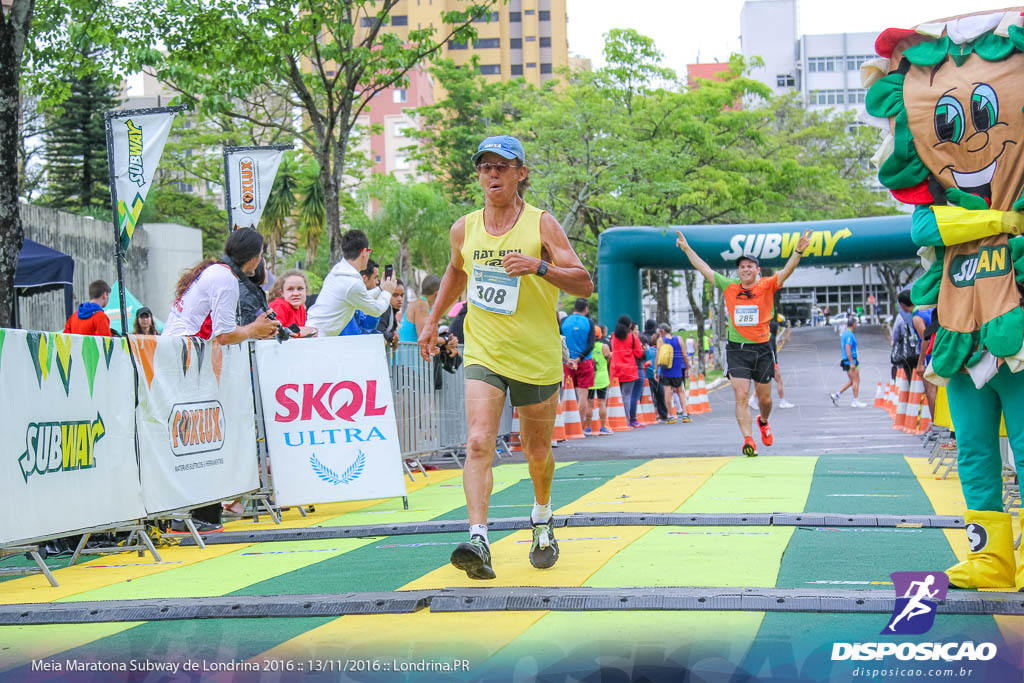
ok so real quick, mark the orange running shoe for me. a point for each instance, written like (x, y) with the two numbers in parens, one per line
(766, 432)
(749, 447)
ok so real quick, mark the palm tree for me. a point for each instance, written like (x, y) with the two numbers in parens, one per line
(277, 215)
(312, 210)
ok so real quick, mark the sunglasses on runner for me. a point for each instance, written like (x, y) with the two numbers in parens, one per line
(500, 168)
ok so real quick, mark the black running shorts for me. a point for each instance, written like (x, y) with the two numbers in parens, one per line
(750, 361)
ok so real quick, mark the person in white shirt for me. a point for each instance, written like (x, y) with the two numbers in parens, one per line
(206, 305)
(344, 291)
(206, 297)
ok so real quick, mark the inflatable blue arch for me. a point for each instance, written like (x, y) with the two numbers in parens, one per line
(623, 251)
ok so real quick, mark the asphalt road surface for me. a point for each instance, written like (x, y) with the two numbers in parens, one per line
(810, 371)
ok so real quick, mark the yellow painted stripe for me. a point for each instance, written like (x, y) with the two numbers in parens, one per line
(18, 645)
(654, 486)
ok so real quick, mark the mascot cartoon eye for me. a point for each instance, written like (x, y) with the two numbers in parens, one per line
(984, 107)
(949, 119)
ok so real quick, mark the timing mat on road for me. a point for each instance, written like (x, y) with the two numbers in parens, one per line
(424, 611)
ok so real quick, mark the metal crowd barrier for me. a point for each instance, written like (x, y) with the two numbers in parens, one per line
(430, 420)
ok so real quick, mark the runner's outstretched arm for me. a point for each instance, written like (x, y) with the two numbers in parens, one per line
(453, 284)
(565, 270)
(696, 261)
(794, 258)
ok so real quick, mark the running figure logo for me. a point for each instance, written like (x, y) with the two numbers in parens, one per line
(916, 596)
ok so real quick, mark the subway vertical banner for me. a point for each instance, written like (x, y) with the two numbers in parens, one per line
(137, 138)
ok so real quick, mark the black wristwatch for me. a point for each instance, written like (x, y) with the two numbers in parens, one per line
(542, 269)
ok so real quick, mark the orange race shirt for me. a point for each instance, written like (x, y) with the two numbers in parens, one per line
(750, 310)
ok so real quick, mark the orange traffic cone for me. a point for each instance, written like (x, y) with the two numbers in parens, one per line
(645, 412)
(571, 413)
(692, 406)
(617, 420)
(891, 398)
(880, 396)
(559, 433)
(926, 417)
(595, 418)
(914, 403)
(702, 395)
(514, 442)
(903, 387)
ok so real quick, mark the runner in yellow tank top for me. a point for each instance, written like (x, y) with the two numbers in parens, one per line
(511, 259)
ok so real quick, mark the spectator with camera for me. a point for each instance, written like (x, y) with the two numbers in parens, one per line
(206, 305)
(364, 323)
(344, 291)
(387, 325)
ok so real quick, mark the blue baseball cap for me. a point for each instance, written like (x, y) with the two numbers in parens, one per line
(502, 145)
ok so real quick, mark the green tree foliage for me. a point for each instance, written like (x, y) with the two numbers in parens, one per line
(277, 219)
(453, 127)
(407, 223)
(76, 146)
(321, 57)
(630, 145)
(312, 217)
(165, 205)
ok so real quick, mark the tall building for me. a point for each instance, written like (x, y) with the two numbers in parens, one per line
(522, 38)
(823, 68)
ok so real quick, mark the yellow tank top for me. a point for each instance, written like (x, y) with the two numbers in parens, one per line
(526, 345)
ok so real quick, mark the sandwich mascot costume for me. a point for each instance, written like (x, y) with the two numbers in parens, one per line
(950, 96)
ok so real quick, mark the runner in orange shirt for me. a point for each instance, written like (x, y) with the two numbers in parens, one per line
(750, 303)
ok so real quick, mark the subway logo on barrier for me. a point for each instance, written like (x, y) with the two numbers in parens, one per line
(781, 244)
(60, 446)
(988, 262)
(196, 427)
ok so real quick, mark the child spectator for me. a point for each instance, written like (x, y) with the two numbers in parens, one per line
(288, 300)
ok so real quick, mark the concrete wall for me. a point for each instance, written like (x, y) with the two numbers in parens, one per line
(156, 256)
(172, 249)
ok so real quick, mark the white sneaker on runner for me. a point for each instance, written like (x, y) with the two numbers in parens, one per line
(835, 399)
(786, 404)
(857, 403)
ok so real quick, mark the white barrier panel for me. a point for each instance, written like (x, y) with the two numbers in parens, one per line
(197, 440)
(330, 420)
(67, 459)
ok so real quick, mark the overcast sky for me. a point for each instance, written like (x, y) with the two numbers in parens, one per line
(683, 28)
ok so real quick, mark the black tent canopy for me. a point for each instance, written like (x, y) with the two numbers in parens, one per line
(40, 267)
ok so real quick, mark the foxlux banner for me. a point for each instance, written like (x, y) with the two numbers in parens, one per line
(195, 421)
(137, 141)
(329, 420)
(67, 459)
(250, 176)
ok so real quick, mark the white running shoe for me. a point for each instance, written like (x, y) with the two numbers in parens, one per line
(835, 399)
(786, 404)
(857, 403)
(753, 402)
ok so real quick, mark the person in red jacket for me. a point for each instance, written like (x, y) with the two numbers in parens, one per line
(90, 318)
(288, 299)
(626, 348)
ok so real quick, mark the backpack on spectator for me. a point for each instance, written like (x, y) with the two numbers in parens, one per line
(904, 350)
(666, 355)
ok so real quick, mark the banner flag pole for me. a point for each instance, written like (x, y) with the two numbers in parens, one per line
(133, 154)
